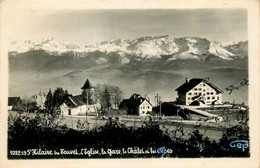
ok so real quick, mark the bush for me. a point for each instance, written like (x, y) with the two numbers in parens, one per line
(45, 132)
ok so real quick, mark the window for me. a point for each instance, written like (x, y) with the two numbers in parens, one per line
(199, 93)
(189, 93)
(213, 97)
(195, 89)
(217, 98)
(203, 90)
(217, 93)
(203, 94)
(195, 93)
(211, 93)
(199, 88)
(188, 98)
(204, 85)
(148, 107)
(143, 107)
(207, 93)
(208, 98)
(143, 112)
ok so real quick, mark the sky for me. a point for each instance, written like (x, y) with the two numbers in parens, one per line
(87, 26)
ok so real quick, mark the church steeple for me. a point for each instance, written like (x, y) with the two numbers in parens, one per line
(87, 85)
(87, 92)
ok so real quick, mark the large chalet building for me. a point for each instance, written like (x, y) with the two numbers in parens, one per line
(200, 90)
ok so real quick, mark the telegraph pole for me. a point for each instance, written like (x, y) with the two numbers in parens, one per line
(160, 106)
(156, 99)
(158, 103)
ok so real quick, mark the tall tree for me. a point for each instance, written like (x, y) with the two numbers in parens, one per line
(116, 95)
(58, 96)
(48, 102)
(107, 93)
(54, 100)
(106, 101)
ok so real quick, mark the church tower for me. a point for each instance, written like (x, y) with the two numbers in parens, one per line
(87, 92)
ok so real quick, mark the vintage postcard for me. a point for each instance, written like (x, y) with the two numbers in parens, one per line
(113, 83)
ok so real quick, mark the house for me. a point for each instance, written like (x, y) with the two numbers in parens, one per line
(136, 105)
(198, 91)
(75, 105)
(13, 101)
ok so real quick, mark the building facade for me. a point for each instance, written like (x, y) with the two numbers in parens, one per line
(136, 105)
(199, 90)
(145, 108)
(75, 106)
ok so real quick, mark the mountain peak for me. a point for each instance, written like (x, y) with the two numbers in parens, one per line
(144, 47)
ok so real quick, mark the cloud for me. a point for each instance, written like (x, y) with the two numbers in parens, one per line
(91, 26)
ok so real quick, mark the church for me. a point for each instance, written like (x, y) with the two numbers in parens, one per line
(81, 105)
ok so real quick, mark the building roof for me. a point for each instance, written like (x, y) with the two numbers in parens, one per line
(135, 96)
(87, 85)
(188, 85)
(77, 100)
(134, 101)
(146, 100)
(13, 100)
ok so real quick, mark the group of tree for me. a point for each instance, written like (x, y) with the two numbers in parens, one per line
(54, 100)
(26, 104)
(108, 96)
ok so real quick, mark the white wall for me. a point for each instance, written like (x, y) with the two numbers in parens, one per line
(80, 110)
(74, 111)
(144, 108)
(205, 90)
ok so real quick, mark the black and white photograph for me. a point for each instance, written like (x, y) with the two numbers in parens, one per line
(128, 83)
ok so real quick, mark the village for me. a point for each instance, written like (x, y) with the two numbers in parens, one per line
(199, 103)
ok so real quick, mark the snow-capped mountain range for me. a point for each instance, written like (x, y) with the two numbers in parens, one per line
(147, 65)
(144, 47)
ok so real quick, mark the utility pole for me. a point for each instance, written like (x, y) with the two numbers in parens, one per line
(160, 106)
(156, 99)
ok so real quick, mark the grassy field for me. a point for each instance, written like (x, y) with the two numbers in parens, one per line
(171, 124)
